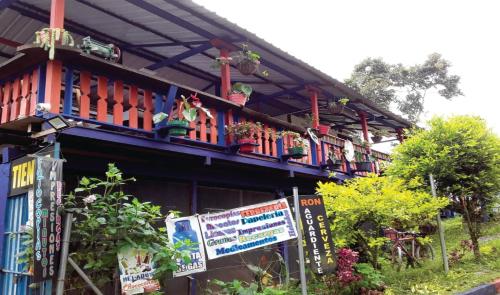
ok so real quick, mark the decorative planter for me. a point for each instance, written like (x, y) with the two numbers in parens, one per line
(296, 152)
(376, 138)
(181, 130)
(337, 109)
(247, 145)
(334, 164)
(364, 166)
(323, 130)
(238, 98)
(247, 67)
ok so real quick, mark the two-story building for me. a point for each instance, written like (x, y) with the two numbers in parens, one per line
(109, 95)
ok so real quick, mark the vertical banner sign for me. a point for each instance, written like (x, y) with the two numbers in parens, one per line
(317, 234)
(47, 220)
(180, 230)
(246, 228)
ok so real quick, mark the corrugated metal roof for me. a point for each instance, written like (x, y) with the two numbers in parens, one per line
(133, 22)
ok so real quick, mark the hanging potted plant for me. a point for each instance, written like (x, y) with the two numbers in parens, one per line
(362, 165)
(298, 146)
(240, 93)
(378, 134)
(179, 127)
(244, 134)
(247, 61)
(337, 107)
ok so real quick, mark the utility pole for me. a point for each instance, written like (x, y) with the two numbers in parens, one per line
(440, 229)
(303, 281)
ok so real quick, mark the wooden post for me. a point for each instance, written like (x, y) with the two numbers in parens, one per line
(364, 127)
(400, 137)
(313, 93)
(54, 67)
(225, 75)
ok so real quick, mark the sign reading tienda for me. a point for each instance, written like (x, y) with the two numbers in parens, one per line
(317, 234)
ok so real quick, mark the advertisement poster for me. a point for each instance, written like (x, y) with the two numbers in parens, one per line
(47, 220)
(317, 234)
(180, 230)
(137, 271)
(246, 228)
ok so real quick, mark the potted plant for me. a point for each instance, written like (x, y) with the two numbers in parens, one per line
(240, 93)
(321, 130)
(180, 127)
(299, 145)
(362, 165)
(48, 38)
(334, 162)
(378, 134)
(247, 61)
(337, 107)
(244, 135)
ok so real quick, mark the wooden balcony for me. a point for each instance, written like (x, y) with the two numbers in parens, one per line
(110, 97)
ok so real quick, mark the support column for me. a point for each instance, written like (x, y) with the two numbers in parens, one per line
(225, 75)
(54, 67)
(399, 135)
(313, 93)
(364, 127)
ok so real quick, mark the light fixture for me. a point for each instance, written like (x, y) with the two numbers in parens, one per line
(58, 123)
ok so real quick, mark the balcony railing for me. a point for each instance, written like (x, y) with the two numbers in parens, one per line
(113, 96)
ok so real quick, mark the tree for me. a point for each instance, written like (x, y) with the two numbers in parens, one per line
(464, 157)
(402, 86)
(362, 206)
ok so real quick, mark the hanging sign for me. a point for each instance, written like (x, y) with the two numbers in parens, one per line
(246, 228)
(137, 271)
(22, 174)
(317, 234)
(180, 230)
(46, 219)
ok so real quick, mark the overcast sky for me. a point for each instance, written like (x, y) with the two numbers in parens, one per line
(333, 36)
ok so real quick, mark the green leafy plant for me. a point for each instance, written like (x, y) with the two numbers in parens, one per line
(106, 220)
(242, 130)
(244, 89)
(46, 38)
(297, 140)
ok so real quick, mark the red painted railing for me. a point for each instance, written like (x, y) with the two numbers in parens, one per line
(18, 96)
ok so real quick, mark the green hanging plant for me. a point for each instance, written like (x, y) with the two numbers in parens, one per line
(46, 38)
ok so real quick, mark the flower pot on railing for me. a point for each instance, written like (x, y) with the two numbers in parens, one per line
(334, 164)
(364, 166)
(178, 127)
(296, 152)
(247, 145)
(238, 98)
(323, 130)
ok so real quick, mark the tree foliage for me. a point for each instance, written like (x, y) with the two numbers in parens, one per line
(464, 157)
(362, 206)
(404, 87)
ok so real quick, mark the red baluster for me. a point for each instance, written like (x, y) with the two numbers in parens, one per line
(148, 110)
(274, 146)
(23, 109)
(14, 107)
(259, 141)
(267, 136)
(203, 127)
(102, 102)
(229, 121)
(118, 105)
(6, 103)
(133, 114)
(85, 94)
(213, 127)
(33, 93)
